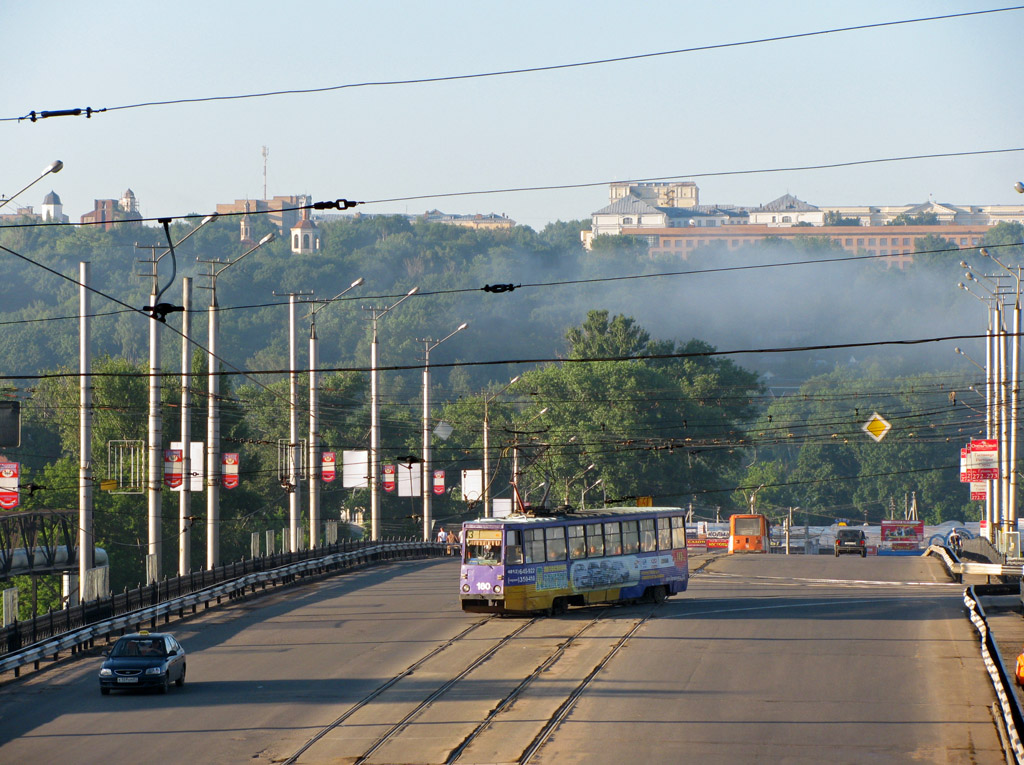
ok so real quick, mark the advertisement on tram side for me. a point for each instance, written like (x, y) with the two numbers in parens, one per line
(901, 536)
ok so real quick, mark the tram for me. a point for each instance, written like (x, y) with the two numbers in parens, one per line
(545, 561)
(749, 533)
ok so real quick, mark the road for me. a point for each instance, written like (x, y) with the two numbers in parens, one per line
(765, 658)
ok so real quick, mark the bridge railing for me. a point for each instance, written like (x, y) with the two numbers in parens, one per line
(73, 628)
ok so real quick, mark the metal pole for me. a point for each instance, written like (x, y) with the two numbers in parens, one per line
(185, 497)
(155, 442)
(990, 422)
(213, 442)
(374, 439)
(1014, 400)
(1004, 428)
(86, 545)
(487, 462)
(426, 486)
(314, 432)
(293, 431)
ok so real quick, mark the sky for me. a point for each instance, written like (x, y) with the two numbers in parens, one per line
(941, 86)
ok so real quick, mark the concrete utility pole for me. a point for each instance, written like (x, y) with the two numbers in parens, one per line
(426, 483)
(314, 417)
(86, 539)
(377, 313)
(213, 410)
(184, 499)
(487, 445)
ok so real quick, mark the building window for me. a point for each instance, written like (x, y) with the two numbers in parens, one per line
(627, 221)
(963, 240)
(787, 219)
(871, 242)
(295, 241)
(860, 242)
(884, 240)
(906, 240)
(679, 243)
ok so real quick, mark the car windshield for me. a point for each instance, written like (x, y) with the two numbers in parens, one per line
(141, 647)
(849, 536)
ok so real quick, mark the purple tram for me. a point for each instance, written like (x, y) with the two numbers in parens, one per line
(544, 563)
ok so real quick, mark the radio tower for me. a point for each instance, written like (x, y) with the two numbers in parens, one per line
(266, 151)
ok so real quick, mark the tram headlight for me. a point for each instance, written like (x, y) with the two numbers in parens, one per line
(465, 588)
(497, 589)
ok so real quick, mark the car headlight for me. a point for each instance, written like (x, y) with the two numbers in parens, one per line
(154, 670)
(105, 672)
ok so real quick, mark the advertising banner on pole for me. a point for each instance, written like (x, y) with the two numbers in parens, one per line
(229, 470)
(355, 470)
(197, 461)
(410, 479)
(9, 472)
(965, 456)
(388, 479)
(328, 466)
(172, 467)
(979, 490)
(985, 460)
(438, 482)
(472, 485)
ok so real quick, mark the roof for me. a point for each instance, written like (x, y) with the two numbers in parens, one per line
(788, 203)
(629, 205)
(580, 515)
(51, 199)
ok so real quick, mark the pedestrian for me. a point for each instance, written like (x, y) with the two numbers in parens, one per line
(955, 542)
(1020, 669)
(451, 542)
(441, 535)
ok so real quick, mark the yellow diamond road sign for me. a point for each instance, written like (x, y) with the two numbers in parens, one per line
(877, 426)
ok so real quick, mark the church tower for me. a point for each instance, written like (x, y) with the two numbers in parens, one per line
(305, 235)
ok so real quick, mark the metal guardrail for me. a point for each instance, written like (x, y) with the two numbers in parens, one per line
(74, 639)
(1013, 716)
(958, 567)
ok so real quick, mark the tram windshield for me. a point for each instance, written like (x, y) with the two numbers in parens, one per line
(483, 546)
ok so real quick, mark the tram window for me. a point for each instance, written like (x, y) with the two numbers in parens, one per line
(664, 534)
(577, 543)
(648, 542)
(533, 546)
(595, 540)
(513, 547)
(678, 532)
(612, 539)
(555, 539)
(630, 538)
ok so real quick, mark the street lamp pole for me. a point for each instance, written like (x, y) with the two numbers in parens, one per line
(570, 481)
(515, 446)
(314, 418)
(376, 314)
(487, 446)
(426, 484)
(213, 411)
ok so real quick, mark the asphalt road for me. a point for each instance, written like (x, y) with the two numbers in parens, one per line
(765, 658)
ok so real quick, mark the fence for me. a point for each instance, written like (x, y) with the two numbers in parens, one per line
(77, 627)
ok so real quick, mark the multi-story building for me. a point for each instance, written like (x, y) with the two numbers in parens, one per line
(106, 212)
(283, 211)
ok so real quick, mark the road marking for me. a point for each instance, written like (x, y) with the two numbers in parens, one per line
(859, 582)
(795, 605)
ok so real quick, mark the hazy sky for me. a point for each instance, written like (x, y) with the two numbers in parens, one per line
(934, 87)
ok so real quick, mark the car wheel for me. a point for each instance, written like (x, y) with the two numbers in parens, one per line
(181, 680)
(165, 684)
(105, 691)
(864, 553)
(837, 553)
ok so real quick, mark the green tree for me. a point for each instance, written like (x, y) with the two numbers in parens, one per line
(922, 219)
(836, 218)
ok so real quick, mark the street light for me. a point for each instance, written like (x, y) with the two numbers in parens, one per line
(213, 410)
(314, 416)
(570, 481)
(583, 492)
(376, 314)
(425, 480)
(487, 456)
(54, 167)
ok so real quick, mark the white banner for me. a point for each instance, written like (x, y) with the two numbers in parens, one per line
(196, 468)
(472, 485)
(501, 507)
(410, 476)
(355, 469)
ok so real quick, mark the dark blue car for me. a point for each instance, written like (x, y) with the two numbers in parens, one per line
(143, 660)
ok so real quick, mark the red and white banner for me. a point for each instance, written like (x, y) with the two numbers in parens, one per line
(172, 467)
(984, 460)
(438, 482)
(9, 498)
(965, 464)
(229, 470)
(328, 466)
(389, 477)
(979, 490)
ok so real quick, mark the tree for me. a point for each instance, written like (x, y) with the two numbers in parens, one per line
(922, 219)
(835, 218)
(600, 337)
